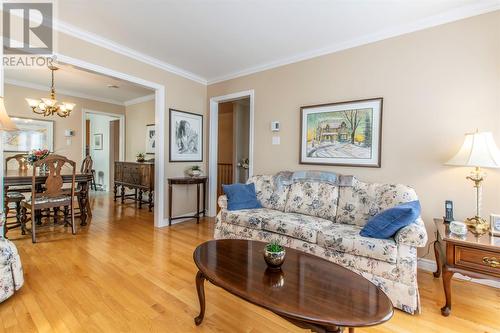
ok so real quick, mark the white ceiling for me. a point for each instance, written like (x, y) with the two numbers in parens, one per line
(76, 82)
(212, 40)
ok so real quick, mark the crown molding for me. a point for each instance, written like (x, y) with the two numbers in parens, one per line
(138, 100)
(446, 17)
(61, 91)
(71, 30)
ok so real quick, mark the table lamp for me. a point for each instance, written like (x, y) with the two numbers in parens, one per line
(479, 151)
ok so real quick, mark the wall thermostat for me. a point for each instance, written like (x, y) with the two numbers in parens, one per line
(275, 126)
(69, 133)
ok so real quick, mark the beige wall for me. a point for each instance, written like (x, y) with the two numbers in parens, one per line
(16, 106)
(137, 116)
(437, 84)
(181, 94)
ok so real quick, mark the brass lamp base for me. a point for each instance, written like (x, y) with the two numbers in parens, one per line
(477, 225)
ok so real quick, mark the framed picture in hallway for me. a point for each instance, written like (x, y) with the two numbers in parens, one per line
(345, 133)
(98, 141)
(186, 136)
(150, 139)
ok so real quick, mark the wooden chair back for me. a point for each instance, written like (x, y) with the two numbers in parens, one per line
(53, 186)
(22, 161)
(87, 165)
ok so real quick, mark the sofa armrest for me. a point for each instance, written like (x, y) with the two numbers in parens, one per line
(414, 234)
(222, 202)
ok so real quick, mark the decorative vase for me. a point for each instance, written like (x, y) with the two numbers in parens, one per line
(194, 173)
(274, 260)
(44, 169)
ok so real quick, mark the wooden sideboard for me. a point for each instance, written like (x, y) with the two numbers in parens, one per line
(138, 177)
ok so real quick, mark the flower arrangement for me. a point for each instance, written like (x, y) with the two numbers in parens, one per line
(243, 163)
(141, 157)
(37, 155)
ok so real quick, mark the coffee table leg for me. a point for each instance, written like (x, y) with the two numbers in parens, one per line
(201, 297)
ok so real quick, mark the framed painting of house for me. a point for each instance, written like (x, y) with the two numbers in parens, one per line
(345, 133)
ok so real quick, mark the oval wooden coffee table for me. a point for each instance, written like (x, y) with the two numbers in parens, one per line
(309, 291)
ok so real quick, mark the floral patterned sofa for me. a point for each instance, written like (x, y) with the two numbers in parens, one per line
(325, 219)
(11, 270)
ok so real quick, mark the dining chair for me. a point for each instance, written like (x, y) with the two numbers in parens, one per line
(52, 194)
(85, 168)
(15, 194)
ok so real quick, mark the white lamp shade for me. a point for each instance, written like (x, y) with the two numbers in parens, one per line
(32, 102)
(6, 123)
(478, 150)
(69, 106)
(49, 101)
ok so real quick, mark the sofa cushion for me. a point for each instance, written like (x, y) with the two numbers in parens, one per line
(299, 226)
(268, 194)
(249, 218)
(241, 196)
(361, 201)
(313, 198)
(345, 238)
(386, 223)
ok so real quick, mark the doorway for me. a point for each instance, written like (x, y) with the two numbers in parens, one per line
(231, 142)
(104, 142)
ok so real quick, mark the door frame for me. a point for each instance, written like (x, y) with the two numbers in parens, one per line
(213, 140)
(119, 116)
(160, 102)
(121, 149)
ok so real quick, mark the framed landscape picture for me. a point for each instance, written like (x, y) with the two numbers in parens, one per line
(186, 136)
(30, 134)
(98, 141)
(150, 139)
(345, 133)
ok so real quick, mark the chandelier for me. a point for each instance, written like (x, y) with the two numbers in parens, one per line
(49, 106)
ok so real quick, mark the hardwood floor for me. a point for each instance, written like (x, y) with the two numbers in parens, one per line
(119, 274)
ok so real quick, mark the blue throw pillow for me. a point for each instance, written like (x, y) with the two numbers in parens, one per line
(241, 196)
(386, 223)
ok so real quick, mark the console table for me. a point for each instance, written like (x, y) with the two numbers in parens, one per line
(139, 176)
(475, 256)
(187, 181)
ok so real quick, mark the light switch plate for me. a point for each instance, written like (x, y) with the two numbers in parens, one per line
(275, 126)
(276, 140)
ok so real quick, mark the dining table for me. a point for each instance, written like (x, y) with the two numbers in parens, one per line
(24, 178)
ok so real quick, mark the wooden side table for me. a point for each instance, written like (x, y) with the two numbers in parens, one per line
(187, 181)
(474, 256)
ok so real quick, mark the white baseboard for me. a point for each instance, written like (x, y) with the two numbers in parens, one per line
(430, 266)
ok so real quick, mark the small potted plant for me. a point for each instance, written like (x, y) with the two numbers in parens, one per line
(274, 255)
(141, 157)
(194, 171)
